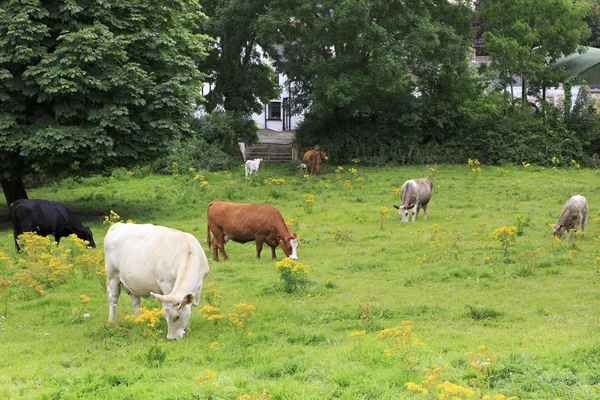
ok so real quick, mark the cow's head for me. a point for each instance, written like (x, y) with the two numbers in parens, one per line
(177, 313)
(288, 244)
(86, 234)
(323, 155)
(558, 230)
(403, 212)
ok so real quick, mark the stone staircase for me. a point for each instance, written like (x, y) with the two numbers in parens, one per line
(273, 147)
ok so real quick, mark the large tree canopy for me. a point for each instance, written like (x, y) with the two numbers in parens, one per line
(525, 37)
(91, 84)
(239, 75)
(362, 54)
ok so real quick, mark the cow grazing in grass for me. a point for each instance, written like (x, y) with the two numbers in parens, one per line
(252, 166)
(313, 159)
(244, 223)
(46, 218)
(574, 213)
(150, 260)
(414, 195)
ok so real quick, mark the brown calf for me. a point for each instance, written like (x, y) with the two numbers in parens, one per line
(244, 223)
(313, 159)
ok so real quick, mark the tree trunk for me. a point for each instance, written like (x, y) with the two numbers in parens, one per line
(14, 189)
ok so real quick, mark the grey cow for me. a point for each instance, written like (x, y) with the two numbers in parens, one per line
(414, 195)
(573, 214)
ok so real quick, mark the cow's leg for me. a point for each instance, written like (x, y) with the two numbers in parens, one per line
(219, 243)
(222, 250)
(425, 211)
(273, 255)
(215, 249)
(16, 234)
(259, 245)
(113, 289)
(415, 212)
(136, 303)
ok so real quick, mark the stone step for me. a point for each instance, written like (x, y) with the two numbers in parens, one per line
(270, 152)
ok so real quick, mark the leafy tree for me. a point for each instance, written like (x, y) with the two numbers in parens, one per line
(88, 85)
(239, 75)
(593, 21)
(360, 63)
(526, 37)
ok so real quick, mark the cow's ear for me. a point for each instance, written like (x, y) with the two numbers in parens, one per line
(158, 297)
(279, 238)
(295, 237)
(396, 207)
(187, 299)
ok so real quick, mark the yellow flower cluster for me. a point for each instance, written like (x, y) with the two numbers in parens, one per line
(309, 198)
(356, 160)
(451, 391)
(200, 178)
(482, 361)
(353, 171)
(293, 223)
(211, 313)
(575, 164)
(525, 164)
(145, 314)
(208, 375)
(403, 338)
(473, 161)
(243, 312)
(292, 266)
(276, 181)
(85, 300)
(498, 397)
(506, 235)
(27, 280)
(357, 333)
(211, 296)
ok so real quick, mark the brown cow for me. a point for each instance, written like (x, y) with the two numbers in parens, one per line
(312, 159)
(245, 223)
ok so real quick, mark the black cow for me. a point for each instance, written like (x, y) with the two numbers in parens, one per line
(47, 217)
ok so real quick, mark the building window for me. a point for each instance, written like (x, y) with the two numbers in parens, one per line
(274, 110)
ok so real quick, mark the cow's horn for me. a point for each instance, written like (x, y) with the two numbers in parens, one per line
(158, 297)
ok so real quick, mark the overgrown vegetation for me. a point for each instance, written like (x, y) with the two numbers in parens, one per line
(435, 309)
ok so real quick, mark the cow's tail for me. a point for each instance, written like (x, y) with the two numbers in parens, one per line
(208, 238)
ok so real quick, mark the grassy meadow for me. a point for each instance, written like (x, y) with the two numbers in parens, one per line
(439, 309)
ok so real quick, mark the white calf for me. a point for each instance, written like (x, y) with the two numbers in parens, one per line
(252, 166)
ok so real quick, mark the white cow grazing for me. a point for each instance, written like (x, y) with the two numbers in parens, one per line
(414, 195)
(574, 213)
(252, 166)
(150, 260)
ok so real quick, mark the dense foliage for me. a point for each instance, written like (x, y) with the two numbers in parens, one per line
(213, 145)
(240, 77)
(86, 85)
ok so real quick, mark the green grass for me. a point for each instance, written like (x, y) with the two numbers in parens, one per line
(537, 313)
